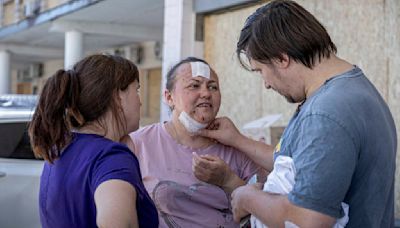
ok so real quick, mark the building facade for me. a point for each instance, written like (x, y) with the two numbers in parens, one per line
(39, 36)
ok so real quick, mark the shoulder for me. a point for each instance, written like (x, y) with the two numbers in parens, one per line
(144, 137)
(145, 131)
(339, 95)
(96, 144)
(111, 148)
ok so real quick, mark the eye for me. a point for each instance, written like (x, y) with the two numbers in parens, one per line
(194, 86)
(213, 87)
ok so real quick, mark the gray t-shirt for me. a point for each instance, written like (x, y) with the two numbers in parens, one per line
(343, 143)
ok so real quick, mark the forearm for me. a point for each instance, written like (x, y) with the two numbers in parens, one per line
(271, 209)
(259, 152)
(232, 182)
(274, 209)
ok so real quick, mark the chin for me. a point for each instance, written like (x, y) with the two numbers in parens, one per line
(290, 99)
(133, 128)
(207, 119)
(293, 100)
(204, 118)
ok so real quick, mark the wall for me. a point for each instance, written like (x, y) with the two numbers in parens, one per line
(9, 9)
(8, 13)
(48, 4)
(372, 42)
(240, 89)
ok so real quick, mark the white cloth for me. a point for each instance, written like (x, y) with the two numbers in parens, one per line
(190, 124)
(200, 69)
(281, 181)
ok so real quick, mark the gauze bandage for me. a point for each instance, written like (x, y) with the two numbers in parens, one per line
(200, 69)
(190, 124)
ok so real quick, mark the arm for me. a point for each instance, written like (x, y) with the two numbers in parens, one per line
(325, 168)
(214, 170)
(273, 209)
(116, 204)
(223, 130)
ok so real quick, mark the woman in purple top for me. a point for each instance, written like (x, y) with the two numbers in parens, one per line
(89, 179)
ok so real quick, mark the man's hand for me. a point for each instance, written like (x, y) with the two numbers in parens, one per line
(238, 200)
(223, 130)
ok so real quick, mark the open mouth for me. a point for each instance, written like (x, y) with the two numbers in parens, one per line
(204, 105)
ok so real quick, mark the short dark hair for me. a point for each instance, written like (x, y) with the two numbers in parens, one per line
(71, 99)
(284, 27)
(172, 72)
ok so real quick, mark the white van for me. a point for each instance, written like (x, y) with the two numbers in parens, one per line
(19, 169)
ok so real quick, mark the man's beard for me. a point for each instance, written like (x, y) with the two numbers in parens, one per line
(290, 99)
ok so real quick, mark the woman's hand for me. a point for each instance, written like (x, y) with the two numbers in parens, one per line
(213, 170)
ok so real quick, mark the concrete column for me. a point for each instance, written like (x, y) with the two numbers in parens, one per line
(179, 40)
(5, 72)
(73, 48)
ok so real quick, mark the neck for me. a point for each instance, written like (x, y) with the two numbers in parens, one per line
(322, 71)
(108, 131)
(183, 137)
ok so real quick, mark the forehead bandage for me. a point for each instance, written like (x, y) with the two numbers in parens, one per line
(200, 69)
(190, 124)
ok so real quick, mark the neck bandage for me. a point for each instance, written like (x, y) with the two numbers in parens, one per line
(190, 124)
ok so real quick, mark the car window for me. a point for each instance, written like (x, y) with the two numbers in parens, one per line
(16, 111)
(14, 141)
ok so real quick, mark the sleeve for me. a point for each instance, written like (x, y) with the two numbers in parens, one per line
(247, 167)
(325, 156)
(116, 162)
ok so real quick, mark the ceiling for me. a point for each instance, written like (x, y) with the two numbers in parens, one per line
(105, 24)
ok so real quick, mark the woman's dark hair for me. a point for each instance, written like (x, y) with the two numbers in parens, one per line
(172, 72)
(71, 99)
(284, 27)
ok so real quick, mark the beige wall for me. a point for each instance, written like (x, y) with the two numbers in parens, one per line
(53, 3)
(366, 32)
(8, 13)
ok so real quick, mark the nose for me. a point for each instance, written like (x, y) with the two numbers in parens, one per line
(205, 92)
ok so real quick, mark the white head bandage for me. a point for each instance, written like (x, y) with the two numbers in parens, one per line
(190, 124)
(200, 69)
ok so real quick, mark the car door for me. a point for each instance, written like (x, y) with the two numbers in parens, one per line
(19, 178)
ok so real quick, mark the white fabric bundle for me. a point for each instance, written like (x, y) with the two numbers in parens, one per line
(281, 181)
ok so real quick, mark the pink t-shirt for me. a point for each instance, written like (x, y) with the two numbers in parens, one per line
(181, 199)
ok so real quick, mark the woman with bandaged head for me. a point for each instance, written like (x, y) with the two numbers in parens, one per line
(190, 177)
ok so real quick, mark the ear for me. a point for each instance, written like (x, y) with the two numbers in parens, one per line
(282, 62)
(168, 98)
(120, 96)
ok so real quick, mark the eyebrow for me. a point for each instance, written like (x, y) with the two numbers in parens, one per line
(209, 81)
